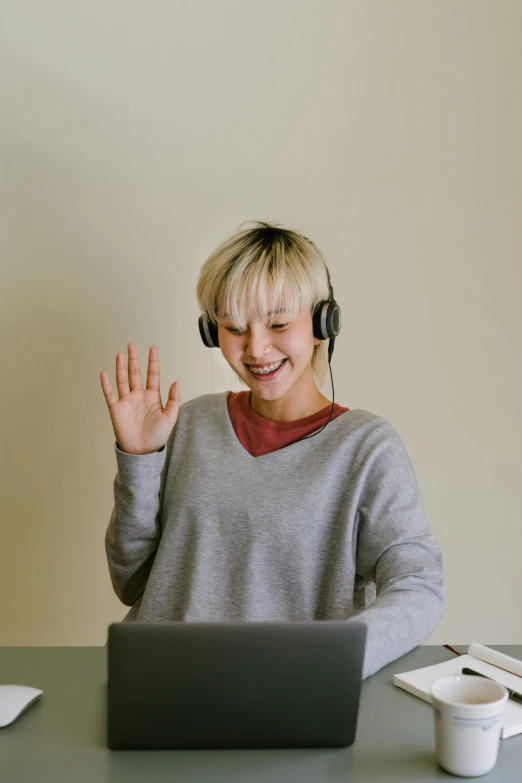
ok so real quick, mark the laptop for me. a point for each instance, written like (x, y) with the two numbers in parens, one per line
(210, 685)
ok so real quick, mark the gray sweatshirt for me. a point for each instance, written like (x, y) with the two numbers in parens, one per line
(327, 528)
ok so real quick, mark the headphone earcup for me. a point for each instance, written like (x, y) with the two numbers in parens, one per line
(209, 331)
(326, 320)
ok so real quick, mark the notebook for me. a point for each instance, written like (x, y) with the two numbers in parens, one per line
(502, 668)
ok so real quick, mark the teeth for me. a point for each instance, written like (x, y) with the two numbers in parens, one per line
(266, 370)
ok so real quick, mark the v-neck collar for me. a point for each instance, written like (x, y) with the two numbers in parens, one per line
(262, 425)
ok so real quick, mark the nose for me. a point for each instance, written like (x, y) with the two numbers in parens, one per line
(258, 343)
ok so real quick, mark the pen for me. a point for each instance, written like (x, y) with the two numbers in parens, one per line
(512, 694)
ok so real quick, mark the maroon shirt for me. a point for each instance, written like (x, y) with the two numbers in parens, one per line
(261, 436)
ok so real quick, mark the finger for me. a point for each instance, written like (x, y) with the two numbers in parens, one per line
(110, 398)
(153, 370)
(172, 406)
(134, 367)
(122, 383)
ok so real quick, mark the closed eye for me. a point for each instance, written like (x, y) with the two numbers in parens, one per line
(277, 327)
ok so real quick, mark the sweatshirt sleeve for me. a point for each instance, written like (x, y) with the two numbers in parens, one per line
(134, 529)
(396, 550)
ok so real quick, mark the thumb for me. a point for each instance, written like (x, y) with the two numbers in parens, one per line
(172, 407)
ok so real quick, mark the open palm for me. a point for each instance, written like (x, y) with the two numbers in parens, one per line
(140, 422)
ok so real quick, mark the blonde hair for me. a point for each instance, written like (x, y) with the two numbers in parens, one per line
(264, 269)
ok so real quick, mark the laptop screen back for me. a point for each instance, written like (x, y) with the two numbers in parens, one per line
(174, 685)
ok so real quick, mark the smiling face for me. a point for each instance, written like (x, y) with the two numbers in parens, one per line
(260, 286)
(274, 361)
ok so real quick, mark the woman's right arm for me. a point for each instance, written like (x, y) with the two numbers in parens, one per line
(134, 529)
(143, 445)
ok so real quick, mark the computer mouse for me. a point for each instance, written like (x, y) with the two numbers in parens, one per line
(15, 699)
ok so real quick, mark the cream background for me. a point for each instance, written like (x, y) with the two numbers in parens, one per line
(135, 136)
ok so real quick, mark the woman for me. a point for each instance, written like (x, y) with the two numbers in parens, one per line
(272, 503)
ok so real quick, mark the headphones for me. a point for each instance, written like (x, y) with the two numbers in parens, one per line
(326, 320)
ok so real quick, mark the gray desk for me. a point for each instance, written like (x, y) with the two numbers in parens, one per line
(62, 736)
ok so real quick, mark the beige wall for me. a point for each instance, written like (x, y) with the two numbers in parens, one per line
(135, 136)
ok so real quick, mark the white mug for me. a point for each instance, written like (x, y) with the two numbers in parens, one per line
(467, 711)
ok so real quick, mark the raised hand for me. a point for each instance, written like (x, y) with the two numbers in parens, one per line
(140, 422)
